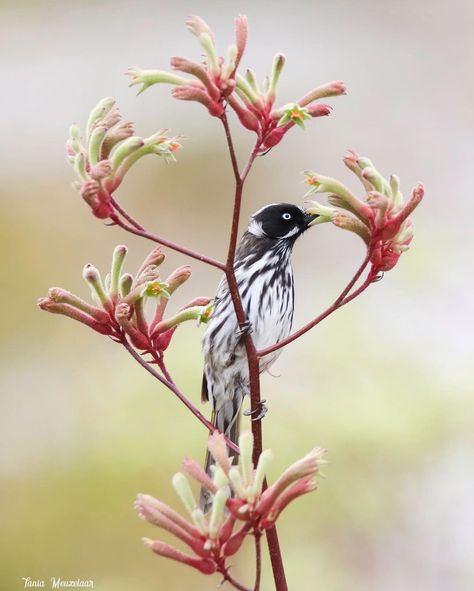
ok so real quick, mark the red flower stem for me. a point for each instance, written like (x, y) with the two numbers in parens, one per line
(252, 356)
(171, 386)
(276, 559)
(258, 560)
(136, 228)
(342, 300)
(354, 279)
(230, 579)
(116, 205)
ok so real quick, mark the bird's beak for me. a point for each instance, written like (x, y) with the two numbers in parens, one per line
(310, 219)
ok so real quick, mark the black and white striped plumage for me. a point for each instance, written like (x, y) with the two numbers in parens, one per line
(265, 279)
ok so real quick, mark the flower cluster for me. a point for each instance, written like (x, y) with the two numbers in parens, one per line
(381, 218)
(119, 302)
(108, 151)
(240, 504)
(217, 82)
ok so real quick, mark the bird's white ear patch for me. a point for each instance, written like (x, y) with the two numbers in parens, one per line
(290, 233)
(256, 229)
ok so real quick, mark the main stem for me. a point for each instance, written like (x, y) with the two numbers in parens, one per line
(252, 356)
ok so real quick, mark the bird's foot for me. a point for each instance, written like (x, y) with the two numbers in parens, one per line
(244, 330)
(260, 412)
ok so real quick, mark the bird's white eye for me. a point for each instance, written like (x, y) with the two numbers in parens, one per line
(286, 216)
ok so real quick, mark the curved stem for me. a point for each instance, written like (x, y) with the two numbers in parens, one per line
(230, 579)
(171, 386)
(342, 300)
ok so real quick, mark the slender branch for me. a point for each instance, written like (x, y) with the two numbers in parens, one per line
(342, 300)
(171, 386)
(239, 185)
(135, 228)
(258, 560)
(230, 145)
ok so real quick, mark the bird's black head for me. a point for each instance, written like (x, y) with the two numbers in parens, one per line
(280, 221)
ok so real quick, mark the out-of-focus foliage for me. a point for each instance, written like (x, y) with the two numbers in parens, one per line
(385, 385)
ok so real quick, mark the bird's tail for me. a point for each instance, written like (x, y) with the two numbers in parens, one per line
(227, 420)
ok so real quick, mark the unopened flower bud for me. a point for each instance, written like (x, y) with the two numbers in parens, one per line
(306, 467)
(277, 67)
(189, 67)
(275, 136)
(92, 276)
(331, 89)
(193, 469)
(56, 294)
(75, 139)
(98, 113)
(118, 259)
(217, 512)
(204, 565)
(126, 282)
(245, 458)
(297, 489)
(149, 77)
(200, 522)
(197, 26)
(115, 136)
(217, 447)
(168, 512)
(194, 93)
(101, 170)
(178, 277)
(124, 149)
(252, 80)
(80, 166)
(241, 33)
(319, 110)
(264, 461)
(53, 307)
(396, 196)
(235, 477)
(229, 66)
(123, 315)
(207, 43)
(370, 174)
(246, 117)
(247, 90)
(235, 541)
(346, 222)
(95, 143)
(183, 490)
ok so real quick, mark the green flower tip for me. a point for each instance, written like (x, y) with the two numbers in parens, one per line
(294, 113)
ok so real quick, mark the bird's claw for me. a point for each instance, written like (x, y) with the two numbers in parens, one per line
(261, 411)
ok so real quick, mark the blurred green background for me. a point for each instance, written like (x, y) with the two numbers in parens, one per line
(385, 384)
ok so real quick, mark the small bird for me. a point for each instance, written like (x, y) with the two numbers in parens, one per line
(265, 279)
